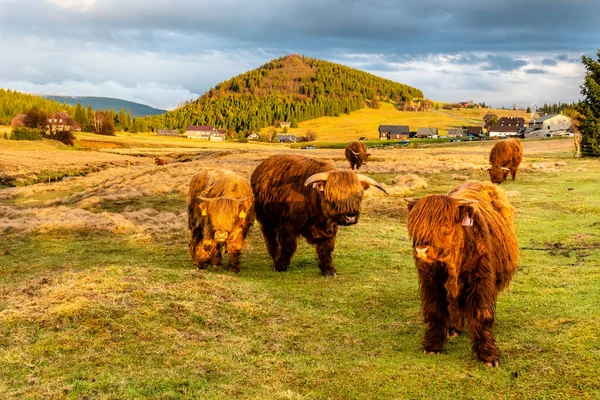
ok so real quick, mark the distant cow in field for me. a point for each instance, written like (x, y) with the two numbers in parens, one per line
(220, 213)
(505, 157)
(296, 196)
(466, 252)
(357, 154)
(160, 161)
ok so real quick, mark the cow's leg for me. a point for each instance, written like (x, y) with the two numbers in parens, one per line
(234, 249)
(434, 305)
(216, 256)
(513, 172)
(324, 250)
(479, 310)
(270, 236)
(456, 313)
(287, 241)
(203, 254)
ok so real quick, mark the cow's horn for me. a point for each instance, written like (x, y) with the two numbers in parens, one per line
(208, 198)
(371, 181)
(244, 199)
(321, 176)
(353, 152)
(411, 200)
(464, 202)
(505, 169)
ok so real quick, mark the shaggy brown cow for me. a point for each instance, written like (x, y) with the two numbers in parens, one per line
(505, 157)
(220, 213)
(160, 161)
(357, 154)
(466, 252)
(296, 196)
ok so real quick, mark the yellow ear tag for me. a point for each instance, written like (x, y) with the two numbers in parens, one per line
(242, 214)
(204, 212)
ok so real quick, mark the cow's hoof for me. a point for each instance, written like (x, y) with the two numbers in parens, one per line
(234, 270)
(329, 273)
(279, 270)
(431, 353)
(202, 266)
(453, 334)
(494, 363)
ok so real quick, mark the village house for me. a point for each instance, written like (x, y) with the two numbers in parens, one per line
(474, 131)
(252, 136)
(393, 132)
(61, 122)
(508, 126)
(285, 124)
(427, 133)
(456, 132)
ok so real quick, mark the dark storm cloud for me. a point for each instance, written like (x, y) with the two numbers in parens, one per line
(535, 71)
(314, 26)
(502, 63)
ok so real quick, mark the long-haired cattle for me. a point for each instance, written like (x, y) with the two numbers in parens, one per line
(220, 213)
(357, 154)
(296, 196)
(466, 252)
(505, 157)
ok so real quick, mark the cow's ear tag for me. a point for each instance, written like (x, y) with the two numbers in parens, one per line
(204, 212)
(467, 221)
(242, 214)
(320, 186)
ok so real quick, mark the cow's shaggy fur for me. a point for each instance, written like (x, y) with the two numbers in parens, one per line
(220, 213)
(287, 208)
(466, 252)
(505, 157)
(357, 154)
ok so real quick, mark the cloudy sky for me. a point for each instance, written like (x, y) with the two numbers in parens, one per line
(162, 52)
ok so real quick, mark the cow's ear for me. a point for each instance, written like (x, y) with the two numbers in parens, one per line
(319, 185)
(204, 208)
(410, 202)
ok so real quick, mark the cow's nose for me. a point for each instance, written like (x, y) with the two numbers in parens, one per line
(221, 236)
(350, 219)
(421, 251)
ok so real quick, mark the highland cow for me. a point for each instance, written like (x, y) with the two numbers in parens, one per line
(160, 161)
(505, 157)
(296, 196)
(220, 213)
(357, 154)
(466, 252)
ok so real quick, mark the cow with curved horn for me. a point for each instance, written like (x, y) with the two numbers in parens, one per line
(505, 157)
(299, 196)
(357, 154)
(466, 252)
(220, 214)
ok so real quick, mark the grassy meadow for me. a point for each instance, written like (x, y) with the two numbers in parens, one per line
(99, 298)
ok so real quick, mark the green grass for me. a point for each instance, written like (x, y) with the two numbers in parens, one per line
(98, 315)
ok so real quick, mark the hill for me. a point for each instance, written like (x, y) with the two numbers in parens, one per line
(13, 103)
(292, 88)
(110, 103)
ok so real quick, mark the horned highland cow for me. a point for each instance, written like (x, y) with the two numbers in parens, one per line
(357, 154)
(505, 157)
(220, 213)
(296, 196)
(466, 252)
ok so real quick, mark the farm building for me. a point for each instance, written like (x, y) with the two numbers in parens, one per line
(456, 132)
(553, 124)
(427, 133)
(393, 132)
(508, 126)
(286, 138)
(61, 122)
(201, 132)
(474, 131)
(285, 124)
(167, 132)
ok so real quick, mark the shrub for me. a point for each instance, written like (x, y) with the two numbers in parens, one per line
(22, 133)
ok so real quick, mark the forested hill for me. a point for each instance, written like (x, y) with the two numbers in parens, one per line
(109, 103)
(292, 88)
(13, 103)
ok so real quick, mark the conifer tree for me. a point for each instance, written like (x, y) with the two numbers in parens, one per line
(589, 107)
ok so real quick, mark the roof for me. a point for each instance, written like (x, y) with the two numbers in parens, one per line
(395, 129)
(286, 137)
(199, 128)
(519, 121)
(474, 129)
(550, 116)
(505, 128)
(456, 131)
(427, 131)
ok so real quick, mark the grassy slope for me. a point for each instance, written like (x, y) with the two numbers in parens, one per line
(365, 122)
(88, 315)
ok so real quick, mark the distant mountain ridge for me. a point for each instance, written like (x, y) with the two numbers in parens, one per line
(110, 103)
(292, 88)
